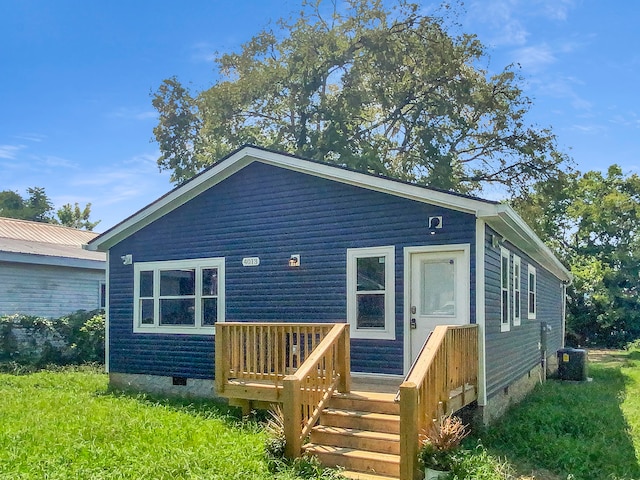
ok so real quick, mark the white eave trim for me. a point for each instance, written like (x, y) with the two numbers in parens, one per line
(505, 221)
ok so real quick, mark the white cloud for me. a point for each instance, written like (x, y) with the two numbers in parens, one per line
(556, 9)
(589, 129)
(507, 20)
(564, 88)
(9, 152)
(119, 189)
(31, 137)
(535, 57)
(629, 120)
(58, 162)
(203, 52)
(133, 114)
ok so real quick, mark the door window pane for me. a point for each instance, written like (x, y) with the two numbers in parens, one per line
(177, 311)
(438, 288)
(370, 311)
(177, 282)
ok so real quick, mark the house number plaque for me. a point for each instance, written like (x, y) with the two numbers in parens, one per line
(251, 261)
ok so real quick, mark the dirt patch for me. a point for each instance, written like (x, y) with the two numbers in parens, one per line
(599, 355)
(541, 475)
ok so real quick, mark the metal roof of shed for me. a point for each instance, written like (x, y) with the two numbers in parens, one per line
(45, 243)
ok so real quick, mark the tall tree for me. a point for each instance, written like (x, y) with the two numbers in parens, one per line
(593, 223)
(75, 217)
(39, 206)
(12, 204)
(384, 90)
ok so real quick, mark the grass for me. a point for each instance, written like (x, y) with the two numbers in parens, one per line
(67, 424)
(579, 431)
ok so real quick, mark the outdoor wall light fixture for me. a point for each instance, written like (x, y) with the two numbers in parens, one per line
(435, 223)
(294, 260)
(496, 241)
(127, 259)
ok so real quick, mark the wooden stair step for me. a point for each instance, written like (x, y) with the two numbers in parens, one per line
(364, 476)
(355, 438)
(366, 401)
(357, 460)
(378, 422)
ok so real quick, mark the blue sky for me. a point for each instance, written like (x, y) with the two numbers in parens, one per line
(76, 77)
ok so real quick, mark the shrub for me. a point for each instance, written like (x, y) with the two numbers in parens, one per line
(276, 440)
(441, 442)
(33, 341)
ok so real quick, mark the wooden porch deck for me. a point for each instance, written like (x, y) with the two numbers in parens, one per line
(367, 424)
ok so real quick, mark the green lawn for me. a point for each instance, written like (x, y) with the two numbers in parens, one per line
(580, 431)
(66, 424)
(61, 425)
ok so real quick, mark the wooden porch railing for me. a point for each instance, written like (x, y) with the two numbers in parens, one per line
(299, 365)
(257, 354)
(443, 379)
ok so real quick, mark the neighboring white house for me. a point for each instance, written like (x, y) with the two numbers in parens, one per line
(44, 271)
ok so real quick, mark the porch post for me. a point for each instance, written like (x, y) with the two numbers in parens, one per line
(291, 405)
(409, 467)
(222, 350)
(344, 361)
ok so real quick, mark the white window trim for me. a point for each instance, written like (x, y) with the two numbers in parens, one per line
(517, 282)
(505, 326)
(531, 315)
(388, 252)
(198, 264)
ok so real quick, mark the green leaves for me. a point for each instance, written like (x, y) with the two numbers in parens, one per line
(75, 217)
(384, 90)
(592, 222)
(39, 208)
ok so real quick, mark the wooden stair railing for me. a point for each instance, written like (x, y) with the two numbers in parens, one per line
(447, 363)
(306, 392)
(297, 364)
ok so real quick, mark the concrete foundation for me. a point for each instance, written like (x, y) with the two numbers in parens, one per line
(499, 403)
(163, 386)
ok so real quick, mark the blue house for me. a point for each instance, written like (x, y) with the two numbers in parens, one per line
(263, 237)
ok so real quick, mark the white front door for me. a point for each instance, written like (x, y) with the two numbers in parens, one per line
(439, 292)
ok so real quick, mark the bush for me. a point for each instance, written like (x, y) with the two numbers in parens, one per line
(32, 341)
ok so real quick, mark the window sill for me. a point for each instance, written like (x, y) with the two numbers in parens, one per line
(176, 330)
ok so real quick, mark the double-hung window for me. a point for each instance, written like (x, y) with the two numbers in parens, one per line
(532, 292)
(180, 296)
(516, 290)
(505, 311)
(371, 292)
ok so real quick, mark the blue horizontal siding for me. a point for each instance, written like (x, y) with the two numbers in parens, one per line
(511, 355)
(272, 213)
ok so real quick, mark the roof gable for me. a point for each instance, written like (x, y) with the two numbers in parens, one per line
(501, 217)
